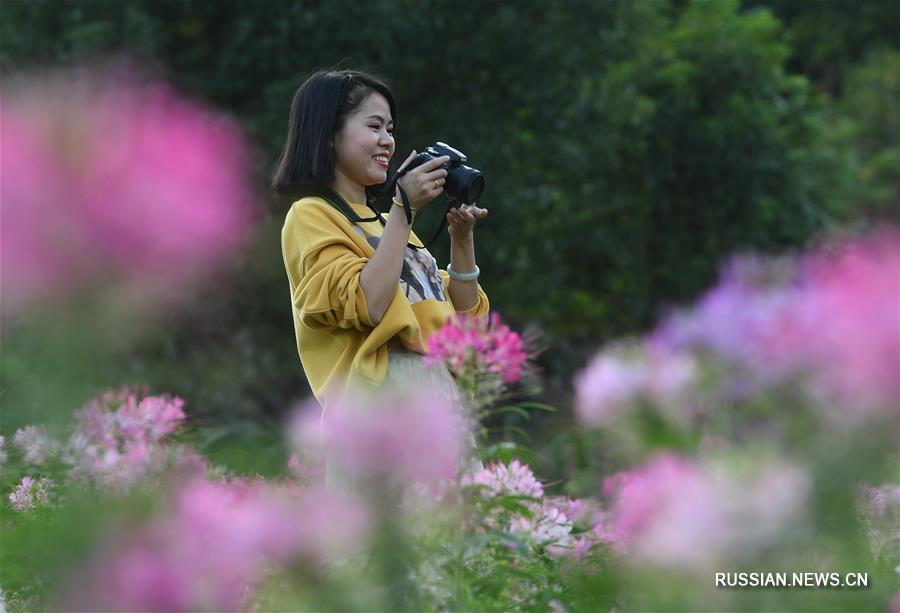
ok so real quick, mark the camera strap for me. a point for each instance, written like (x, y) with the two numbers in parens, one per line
(337, 201)
(407, 208)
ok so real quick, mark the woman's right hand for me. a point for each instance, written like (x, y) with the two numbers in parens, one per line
(423, 183)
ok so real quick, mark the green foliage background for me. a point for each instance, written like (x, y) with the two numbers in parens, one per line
(628, 147)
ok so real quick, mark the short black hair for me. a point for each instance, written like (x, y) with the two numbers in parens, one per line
(319, 110)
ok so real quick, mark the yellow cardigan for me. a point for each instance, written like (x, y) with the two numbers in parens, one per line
(337, 341)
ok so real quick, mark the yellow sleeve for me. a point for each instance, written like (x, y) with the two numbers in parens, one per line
(324, 265)
(482, 306)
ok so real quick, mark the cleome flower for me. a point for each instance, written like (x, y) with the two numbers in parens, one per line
(37, 445)
(87, 153)
(119, 438)
(472, 346)
(548, 521)
(31, 493)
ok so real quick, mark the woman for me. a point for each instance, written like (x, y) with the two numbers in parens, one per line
(356, 318)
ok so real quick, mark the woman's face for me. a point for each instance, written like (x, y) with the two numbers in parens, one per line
(364, 146)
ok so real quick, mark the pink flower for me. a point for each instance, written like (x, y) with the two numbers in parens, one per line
(828, 317)
(747, 320)
(598, 534)
(544, 523)
(549, 521)
(674, 512)
(851, 325)
(476, 345)
(513, 478)
(105, 174)
(294, 464)
(216, 543)
(621, 376)
(153, 418)
(30, 493)
(413, 436)
(120, 438)
(608, 385)
(576, 509)
(331, 524)
(548, 526)
(36, 444)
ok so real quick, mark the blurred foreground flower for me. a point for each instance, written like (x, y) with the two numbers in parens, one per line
(219, 540)
(677, 513)
(106, 178)
(413, 436)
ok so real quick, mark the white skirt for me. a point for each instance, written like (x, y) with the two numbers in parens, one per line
(408, 369)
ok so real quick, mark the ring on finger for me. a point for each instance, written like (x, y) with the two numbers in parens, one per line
(437, 185)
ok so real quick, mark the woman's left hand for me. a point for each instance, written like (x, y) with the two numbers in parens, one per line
(462, 220)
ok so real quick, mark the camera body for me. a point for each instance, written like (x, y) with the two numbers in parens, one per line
(463, 184)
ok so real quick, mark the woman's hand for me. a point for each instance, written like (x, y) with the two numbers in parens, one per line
(462, 220)
(423, 183)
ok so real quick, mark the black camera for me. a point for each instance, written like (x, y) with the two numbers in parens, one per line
(463, 184)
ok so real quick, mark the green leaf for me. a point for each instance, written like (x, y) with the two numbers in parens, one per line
(513, 409)
(538, 406)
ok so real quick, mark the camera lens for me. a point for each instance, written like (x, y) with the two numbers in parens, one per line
(475, 187)
(464, 184)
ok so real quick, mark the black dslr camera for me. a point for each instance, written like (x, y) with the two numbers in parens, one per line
(463, 184)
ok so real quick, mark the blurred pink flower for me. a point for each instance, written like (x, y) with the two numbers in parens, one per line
(413, 436)
(830, 317)
(620, 376)
(332, 523)
(676, 513)
(747, 320)
(119, 438)
(36, 444)
(608, 385)
(217, 542)
(850, 310)
(30, 493)
(103, 173)
(477, 346)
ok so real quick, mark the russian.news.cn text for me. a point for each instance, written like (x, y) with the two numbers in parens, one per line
(792, 579)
